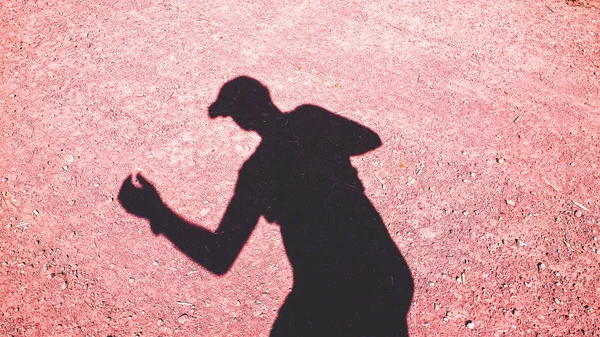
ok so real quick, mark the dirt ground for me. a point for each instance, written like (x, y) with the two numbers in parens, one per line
(487, 179)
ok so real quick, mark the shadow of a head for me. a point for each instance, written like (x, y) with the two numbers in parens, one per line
(246, 101)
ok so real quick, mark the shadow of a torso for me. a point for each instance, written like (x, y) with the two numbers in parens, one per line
(349, 277)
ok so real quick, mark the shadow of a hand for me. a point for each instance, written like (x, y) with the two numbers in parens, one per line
(142, 201)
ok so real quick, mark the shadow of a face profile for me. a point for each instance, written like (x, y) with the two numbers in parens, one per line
(349, 277)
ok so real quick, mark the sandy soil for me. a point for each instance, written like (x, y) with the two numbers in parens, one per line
(487, 179)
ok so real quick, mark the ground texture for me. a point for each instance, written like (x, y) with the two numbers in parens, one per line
(487, 179)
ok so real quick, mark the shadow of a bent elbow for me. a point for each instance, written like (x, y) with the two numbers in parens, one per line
(220, 267)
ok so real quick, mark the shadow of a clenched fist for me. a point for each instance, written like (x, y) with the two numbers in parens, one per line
(142, 201)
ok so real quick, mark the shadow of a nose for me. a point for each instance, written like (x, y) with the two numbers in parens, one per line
(215, 110)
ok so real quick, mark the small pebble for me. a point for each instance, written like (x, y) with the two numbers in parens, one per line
(465, 213)
(64, 285)
(182, 319)
(541, 266)
(510, 202)
(160, 322)
(469, 324)
(578, 213)
(500, 160)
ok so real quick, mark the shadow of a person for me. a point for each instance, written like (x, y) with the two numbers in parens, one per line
(349, 277)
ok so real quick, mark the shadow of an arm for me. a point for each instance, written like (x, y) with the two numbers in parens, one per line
(215, 251)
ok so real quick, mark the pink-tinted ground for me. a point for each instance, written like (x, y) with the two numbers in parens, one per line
(487, 179)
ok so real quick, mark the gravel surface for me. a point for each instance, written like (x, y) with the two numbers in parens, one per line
(487, 178)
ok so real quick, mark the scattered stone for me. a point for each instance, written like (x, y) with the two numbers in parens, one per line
(447, 316)
(500, 160)
(436, 306)
(520, 243)
(64, 285)
(160, 322)
(465, 213)
(182, 318)
(541, 266)
(469, 324)
(510, 202)
(578, 213)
